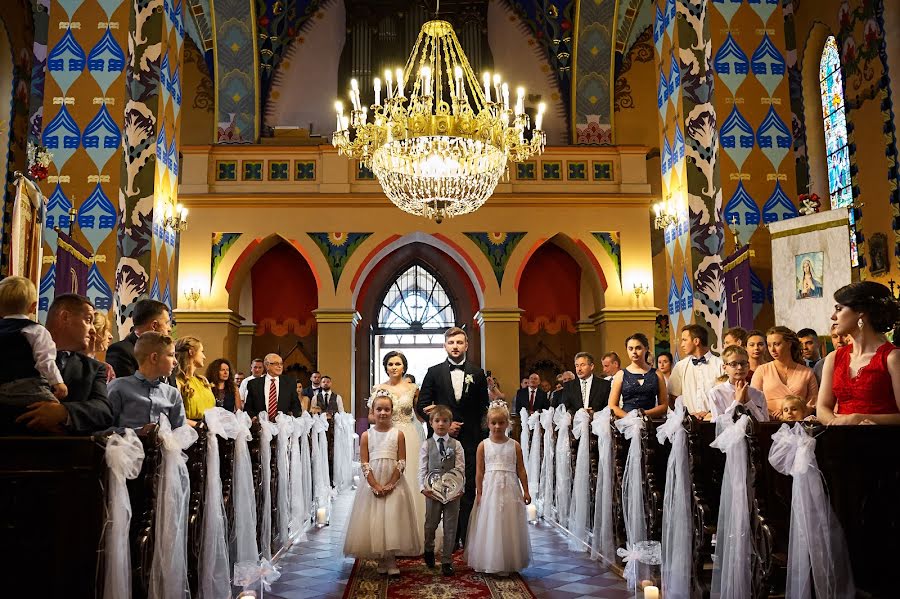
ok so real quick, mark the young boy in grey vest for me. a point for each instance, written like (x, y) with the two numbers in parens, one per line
(441, 454)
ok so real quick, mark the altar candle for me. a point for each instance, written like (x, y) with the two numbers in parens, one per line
(532, 512)
(377, 91)
(651, 592)
(321, 516)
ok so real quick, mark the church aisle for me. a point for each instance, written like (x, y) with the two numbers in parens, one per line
(313, 570)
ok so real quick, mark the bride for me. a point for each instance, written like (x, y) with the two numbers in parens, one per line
(404, 419)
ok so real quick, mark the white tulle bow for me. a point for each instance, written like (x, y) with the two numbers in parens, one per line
(248, 573)
(644, 552)
(124, 457)
(603, 544)
(244, 493)
(581, 424)
(632, 481)
(677, 529)
(303, 424)
(548, 468)
(244, 422)
(673, 424)
(534, 456)
(563, 420)
(343, 451)
(534, 419)
(817, 550)
(524, 441)
(285, 423)
(580, 509)
(301, 476)
(267, 430)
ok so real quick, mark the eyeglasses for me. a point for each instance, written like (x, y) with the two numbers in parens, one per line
(740, 364)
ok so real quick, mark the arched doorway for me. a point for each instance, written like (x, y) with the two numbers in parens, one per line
(407, 301)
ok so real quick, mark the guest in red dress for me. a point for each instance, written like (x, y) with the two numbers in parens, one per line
(861, 382)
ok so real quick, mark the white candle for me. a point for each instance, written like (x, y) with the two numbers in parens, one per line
(497, 88)
(505, 89)
(321, 516)
(487, 86)
(532, 512)
(540, 116)
(400, 82)
(390, 83)
(651, 592)
(520, 100)
(377, 91)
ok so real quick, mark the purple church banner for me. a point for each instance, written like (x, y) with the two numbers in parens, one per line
(739, 300)
(72, 265)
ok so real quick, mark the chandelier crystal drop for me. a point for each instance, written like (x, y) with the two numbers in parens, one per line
(440, 140)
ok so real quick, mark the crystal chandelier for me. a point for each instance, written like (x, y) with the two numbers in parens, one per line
(440, 140)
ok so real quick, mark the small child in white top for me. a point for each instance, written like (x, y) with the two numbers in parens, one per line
(498, 541)
(736, 390)
(28, 372)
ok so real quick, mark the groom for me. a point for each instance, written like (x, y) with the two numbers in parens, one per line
(462, 387)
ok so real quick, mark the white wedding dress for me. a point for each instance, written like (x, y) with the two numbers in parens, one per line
(404, 420)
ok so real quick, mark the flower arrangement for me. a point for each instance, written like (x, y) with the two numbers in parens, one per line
(810, 203)
(39, 159)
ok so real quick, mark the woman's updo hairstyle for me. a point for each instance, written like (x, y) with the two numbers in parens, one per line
(395, 354)
(872, 299)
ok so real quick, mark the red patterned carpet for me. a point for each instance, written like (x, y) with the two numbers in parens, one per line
(416, 581)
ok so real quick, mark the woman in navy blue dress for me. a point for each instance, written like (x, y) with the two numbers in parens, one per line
(638, 386)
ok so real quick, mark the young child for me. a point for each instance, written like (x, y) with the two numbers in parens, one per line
(139, 399)
(383, 521)
(737, 390)
(442, 454)
(793, 408)
(29, 372)
(498, 540)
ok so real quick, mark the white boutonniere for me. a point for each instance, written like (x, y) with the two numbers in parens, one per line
(467, 381)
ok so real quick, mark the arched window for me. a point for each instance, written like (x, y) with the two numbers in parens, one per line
(836, 150)
(414, 314)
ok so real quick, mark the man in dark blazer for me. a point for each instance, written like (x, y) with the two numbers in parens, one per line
(148, 315)
(462, 387)
(274, 385)
(587, 390)
(86, 409)
(532, 397)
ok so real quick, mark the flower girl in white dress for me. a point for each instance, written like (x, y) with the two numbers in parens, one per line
(383, 522)
(498, 540)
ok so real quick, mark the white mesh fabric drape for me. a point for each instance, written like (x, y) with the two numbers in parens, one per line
(603, 543)
(343, 451)
(267, 430)
(124, 457)
(534, 456)
(563, 421)
(731, 565)
(301, 476)
(817, 550)
(632, 483)
(215, 575)
(243, 495)
(285, 423)
(548, 470)
(321, 480)
(677, 522)
(580, 510)
(168, 574)
(524, 440)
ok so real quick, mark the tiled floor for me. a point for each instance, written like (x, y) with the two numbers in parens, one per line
(314, 569)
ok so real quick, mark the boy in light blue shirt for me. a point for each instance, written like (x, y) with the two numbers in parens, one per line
(139, 399)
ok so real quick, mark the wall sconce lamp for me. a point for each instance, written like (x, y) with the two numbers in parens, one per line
(177, 221)
(192, 296)
(666, 214)
(640, 289)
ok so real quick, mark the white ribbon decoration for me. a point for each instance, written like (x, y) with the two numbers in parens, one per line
(124, 458)
(343, 451)
(285, 423)
(580, 512)
(534, 455)
(243, 495)
(264, 572)
(563, 420)
(524, 439)
(168, 574)
(214, 576)
(677, 521)
(644, 552)
(817, 550)
(301, 477)
(267, 430)
(632, 480)
(548, 470)
(321, 481)
(731, 565)
(603, 541)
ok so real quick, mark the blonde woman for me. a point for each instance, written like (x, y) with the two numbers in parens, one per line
(100, 342)
(195, 389)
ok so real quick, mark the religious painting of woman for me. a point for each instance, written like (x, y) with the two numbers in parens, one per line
(809, 274)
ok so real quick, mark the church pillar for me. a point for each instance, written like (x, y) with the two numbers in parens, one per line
(218, 329)
(148, 221)
(236, 56)
(336, 349)
(614, 325)
(245, 347)
(589, 339)
(500, 346)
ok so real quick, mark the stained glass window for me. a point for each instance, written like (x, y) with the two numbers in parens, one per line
(836, 151)
(415, 303)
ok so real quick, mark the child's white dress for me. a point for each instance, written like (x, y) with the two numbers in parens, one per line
(498, 531)
(379, 526)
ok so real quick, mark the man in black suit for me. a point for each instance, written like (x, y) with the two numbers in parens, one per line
(587, 390)
(274, 392)
(86, 409)
(462, 387)
(532, 397)
(148, 315)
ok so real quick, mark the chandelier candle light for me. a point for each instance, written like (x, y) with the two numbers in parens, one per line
(439, 140)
